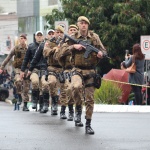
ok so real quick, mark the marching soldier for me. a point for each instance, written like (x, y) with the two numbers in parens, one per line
(49, 86)
(19, 52)
(44, 86)
(34, 76)
(83, 74)
(66, 69)
(53, 67)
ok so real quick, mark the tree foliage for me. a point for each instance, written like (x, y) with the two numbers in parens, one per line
(119, 23)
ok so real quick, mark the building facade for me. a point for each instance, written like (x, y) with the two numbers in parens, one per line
(31, 15)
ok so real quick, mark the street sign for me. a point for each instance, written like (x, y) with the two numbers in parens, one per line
(145, 46)
(64, 24)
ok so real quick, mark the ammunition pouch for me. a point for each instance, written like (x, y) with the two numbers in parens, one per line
(25, 76)
(67, 76)
(61, 77)
(43, 72)
(18, 54)
(97, 81)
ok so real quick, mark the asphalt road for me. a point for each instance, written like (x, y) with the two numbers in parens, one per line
(34, 131)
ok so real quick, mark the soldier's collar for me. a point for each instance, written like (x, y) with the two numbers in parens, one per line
(22, 46)
(79, 35)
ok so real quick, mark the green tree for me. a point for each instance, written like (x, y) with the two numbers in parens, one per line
(119, 23)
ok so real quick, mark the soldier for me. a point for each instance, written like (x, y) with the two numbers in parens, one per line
(44, 86)
(50, 34)
(83, 72)
(53, 67)
(34, 76)
(19, 52)
(66, 69)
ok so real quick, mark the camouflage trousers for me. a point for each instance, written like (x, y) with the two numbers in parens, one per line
(38, 83)
(81, 94)
(22, 86)
(66, 93)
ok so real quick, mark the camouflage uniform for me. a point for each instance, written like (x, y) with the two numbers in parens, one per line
(18, 52)
(53, 69)
(83, 72)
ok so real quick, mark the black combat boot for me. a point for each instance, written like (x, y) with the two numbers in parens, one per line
(78, 114)
(25, 108)
(19, 99)
(40, 103)
(45, 103)
(35, 98)
(88, 129)
(62, 112)
(71, 113)
(54, 105)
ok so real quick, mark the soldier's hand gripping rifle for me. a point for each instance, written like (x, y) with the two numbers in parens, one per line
(89, 48)
(53, 40)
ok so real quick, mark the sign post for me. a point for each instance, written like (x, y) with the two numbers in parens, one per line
(64, 24)
(145, 47)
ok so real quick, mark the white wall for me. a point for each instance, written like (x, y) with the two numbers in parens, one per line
(9, 5)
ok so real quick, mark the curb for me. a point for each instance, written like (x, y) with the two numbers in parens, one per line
(106, 108)
(113, 108)
(121, 108)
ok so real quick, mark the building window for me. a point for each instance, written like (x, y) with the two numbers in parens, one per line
(52, 2)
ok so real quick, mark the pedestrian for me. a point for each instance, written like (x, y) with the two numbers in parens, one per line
(14, 100)
(8, 43)
(83, 71)
(136, 79)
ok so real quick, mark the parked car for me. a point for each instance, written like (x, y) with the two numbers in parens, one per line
(4, 93)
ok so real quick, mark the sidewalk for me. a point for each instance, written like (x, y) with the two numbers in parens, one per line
(108, 108)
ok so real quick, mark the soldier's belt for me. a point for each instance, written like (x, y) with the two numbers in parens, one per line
(57, 66)
(52, 73)
(84, 67)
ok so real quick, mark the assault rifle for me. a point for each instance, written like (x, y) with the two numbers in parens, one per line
(54, 40)
(89, 48)
(51, 40)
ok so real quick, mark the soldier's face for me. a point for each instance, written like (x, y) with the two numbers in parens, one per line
(72, 30)
(50, 35)
(58, 34)
(22, 40)
(39, 37)
(83, 25)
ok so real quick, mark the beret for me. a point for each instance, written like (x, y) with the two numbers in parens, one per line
(83, 18)
(24, 36)
(73, 26)
(59, 28)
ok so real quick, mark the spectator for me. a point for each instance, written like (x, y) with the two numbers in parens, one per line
(8, 43)
(136, 79)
